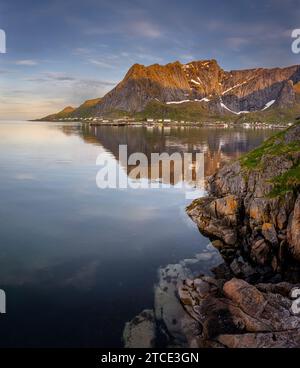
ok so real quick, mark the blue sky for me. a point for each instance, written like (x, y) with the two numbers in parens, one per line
(62, 52)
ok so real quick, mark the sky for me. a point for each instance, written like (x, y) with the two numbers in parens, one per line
(62, 52)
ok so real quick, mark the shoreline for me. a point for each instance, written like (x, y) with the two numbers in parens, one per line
(251, 300)
(217, 124)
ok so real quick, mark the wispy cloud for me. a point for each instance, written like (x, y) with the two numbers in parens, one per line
(56, 76)
(5, 71)
(81, 51)
(140, 27)
(62, 77)
(144, 28)
(235, 43)
(51, 76)
(26, 62)
(100, 63)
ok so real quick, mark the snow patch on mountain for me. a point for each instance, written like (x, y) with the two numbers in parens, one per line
(234, 112)
(236, 86)
(183, 101)
(177, 102)
(268, 104)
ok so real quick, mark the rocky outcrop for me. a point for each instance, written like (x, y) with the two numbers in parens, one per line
(225, 214)
(215, 310)
(252, 215)
(253, 208)
(235, 314)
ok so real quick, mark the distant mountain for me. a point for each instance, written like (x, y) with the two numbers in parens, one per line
(86, 108)
(63, 114)
(197, 89)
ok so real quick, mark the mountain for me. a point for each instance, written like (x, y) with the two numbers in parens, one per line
(63, 114)
(200, 89)
(86, 108)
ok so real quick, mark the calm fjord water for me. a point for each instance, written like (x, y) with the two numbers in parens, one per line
(77, 262)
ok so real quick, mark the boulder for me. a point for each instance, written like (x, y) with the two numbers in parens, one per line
(286, 339)
(238, 314)
(260, 252)
(269, 233)
(216, 217)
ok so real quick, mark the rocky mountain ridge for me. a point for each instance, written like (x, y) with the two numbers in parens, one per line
(203, 83)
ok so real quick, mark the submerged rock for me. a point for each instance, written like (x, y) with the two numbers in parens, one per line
(168, 324)
(176, 324)
(141, 331)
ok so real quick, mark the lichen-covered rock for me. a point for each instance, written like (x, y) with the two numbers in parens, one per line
(217, 216)
(260, 252)
(269, 233)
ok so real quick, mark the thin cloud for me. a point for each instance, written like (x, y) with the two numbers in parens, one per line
(5, 71)
(59, 77)
(52, 76)
(81, 51)
(26, 62)
(145, 29)
(236, 43)
(132, 28)
(100, 63)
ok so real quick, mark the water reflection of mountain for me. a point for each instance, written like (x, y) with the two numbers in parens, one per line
(218, 145)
